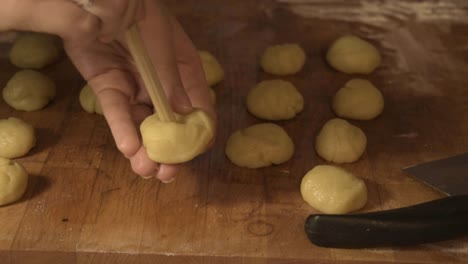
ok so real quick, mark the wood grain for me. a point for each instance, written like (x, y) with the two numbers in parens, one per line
(84, 205)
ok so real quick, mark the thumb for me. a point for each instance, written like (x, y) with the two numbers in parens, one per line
(179, 100)
(156, 33)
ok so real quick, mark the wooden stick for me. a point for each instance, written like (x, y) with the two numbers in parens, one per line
(148, 74)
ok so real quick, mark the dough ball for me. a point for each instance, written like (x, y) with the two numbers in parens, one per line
(213, 96)
(214, 73)
(274, 100)
(351, 54)
(359, 99)
(16, 138)
(283, 59)
(29, 90)
(34, 51)
(259, 146)
(340, 142)
(89, 101)
(333, 190)
(177, 142)
(13, 181)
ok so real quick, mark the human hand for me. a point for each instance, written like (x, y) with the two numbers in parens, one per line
(93, 37)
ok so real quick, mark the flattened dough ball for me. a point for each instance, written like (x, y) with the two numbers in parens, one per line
(16, 138)
(259, 146)
(34, 51)
(333, 190)
(214, 73)
(274, 100)
(283, 59)
(353, 55)
(89, 101)
(13, 181)
(340, 142)
(177, 142)
(29, 90)
(358, 99)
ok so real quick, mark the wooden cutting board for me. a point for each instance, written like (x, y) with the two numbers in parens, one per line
(84, 204)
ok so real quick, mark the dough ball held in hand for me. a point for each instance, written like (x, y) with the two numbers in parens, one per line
(177, 142)
(333, 190)
(13, 181)
(29, 90)
(359, 99)
(17, 138)
(34, 51)
(274, 100)
(259, 146)
(286, 59)
(214, 73)
(340, 142)
(353, 55)
(88, 101)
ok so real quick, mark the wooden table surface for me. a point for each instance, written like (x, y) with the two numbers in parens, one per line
(84, 204)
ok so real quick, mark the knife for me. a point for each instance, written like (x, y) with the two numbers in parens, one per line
(436, 220)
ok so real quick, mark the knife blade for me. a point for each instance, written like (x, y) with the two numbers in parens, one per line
(432, 221)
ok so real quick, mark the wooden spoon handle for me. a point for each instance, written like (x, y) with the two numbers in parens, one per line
(148, 74)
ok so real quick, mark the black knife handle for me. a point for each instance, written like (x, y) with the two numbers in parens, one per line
(433, 221)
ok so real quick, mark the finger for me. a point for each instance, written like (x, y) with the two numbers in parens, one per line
(157, 36)
(191, 70)
(111, 89)
(59, 17)
(116, 15)
(97, 58)
(167, 173)
(142, 165)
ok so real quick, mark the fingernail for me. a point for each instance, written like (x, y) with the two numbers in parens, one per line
(168, 181)
(147, 177)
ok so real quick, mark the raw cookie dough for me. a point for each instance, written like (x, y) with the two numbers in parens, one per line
(333, 190)
(16, 138)
(34, 51)
(13, 181)
(214, 73)
(283, 59)
(274, 100)
(358, 99)
(89, 101)
(351, 54)
(177, 142)
(259, 146)
(29, 90)
(340, 142)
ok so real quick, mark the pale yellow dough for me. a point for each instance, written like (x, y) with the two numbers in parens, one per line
(13, 181)
(285, 59)
(29, 90)
(274, 100)
(89, 101)
(259, 146)
(340, 142)
(177, 142)
(333, 190)
(359, 99)
(214, 73)
(17, 138)
(34, 51)
(353, 55)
